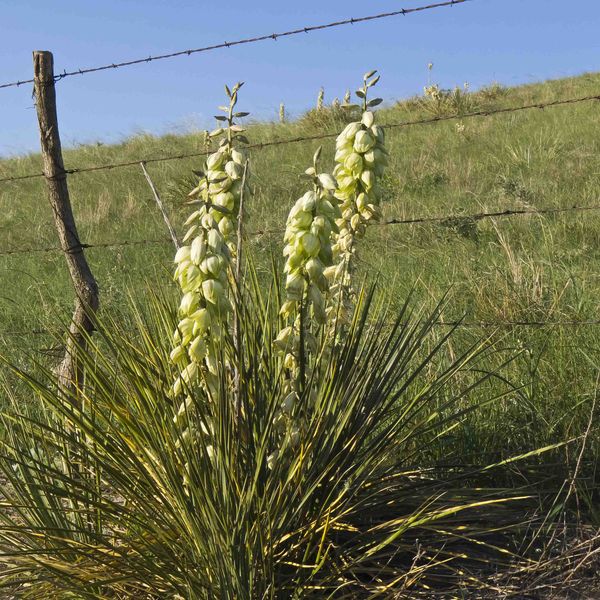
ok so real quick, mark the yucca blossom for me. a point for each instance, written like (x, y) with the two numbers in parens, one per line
(308, 237)
(360, 159)
(203, 264)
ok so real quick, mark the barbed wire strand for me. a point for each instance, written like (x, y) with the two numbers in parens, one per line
(320, 136)
(260, 232)
(251, 40)
(457, 324)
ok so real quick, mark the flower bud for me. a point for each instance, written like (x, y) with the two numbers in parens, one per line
(226, 200)
(212, 364)
(294, 285)
(287, 308)
(212, 290)
(182, 254)
(327, 181)
(347, 214)
(208, 221)
(190, 373)
(281, 341)
(368, 179)
(234, 170)
(361, 200)
(288, 403)
(226, 226)
(192, 217)
(216, 175)
(197, 350)
(367, 118)
(272, 459)
(318, 304)
(354, 164)
(213, 265)
(363, 142)
(221, 186)
(309, 201)
(215, 240)
(310, 244)
(379, 133)
(238, 156)
(330, 272)
(202, 320)
(302, 220)
(314, 268)
(177, 354)
(342, 153)
(215, 160)
(190, 233)
(289, 362)
(185, 327)
(189, 303)
(349, 131)
(198, 250)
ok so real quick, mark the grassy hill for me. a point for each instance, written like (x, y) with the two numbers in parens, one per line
(523, 268)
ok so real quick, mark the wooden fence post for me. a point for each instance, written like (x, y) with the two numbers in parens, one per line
(86, 289)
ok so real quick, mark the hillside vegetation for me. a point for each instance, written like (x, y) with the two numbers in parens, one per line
(530, 268)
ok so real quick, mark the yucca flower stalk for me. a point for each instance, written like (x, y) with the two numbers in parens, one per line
(204, 263)
(360, 159)
(309, 229)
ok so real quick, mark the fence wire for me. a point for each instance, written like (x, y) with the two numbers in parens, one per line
(260, 232)
(316, 137)
(251, 40)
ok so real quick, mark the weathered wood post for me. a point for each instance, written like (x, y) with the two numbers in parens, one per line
(86, 289)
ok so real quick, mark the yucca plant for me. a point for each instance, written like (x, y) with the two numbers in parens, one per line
(170, 472)
(108, 496)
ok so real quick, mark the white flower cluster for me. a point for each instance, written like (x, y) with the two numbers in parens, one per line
(309, 228)
(360, 159)
(203, 264)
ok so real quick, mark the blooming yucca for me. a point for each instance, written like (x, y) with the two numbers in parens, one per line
(203, 264)
(360, 159)
(309, 226)
(308, 235)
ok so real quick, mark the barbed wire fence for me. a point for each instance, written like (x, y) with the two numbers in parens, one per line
(316, 137)
(451, 218)
(250, 40)
(79, 247)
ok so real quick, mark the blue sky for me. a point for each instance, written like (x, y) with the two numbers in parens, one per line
(510, 41)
